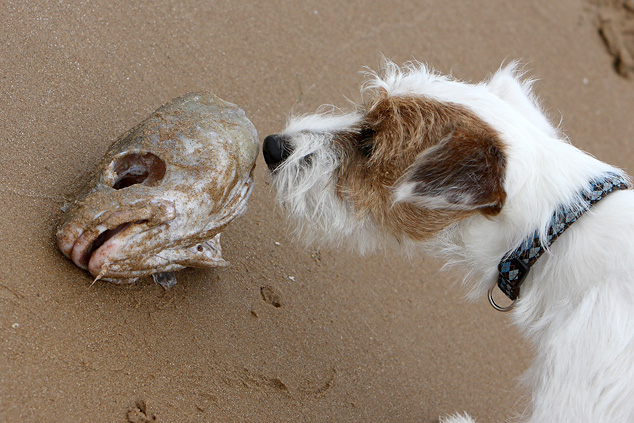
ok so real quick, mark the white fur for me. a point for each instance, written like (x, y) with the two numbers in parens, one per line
(306, 189)
(457, 418)
(577, 305)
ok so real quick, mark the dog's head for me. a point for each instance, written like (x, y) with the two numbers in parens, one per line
(418, 155)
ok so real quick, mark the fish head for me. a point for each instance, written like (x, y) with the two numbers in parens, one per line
(164, 191)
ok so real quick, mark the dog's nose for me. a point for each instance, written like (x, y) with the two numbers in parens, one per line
(275, 150)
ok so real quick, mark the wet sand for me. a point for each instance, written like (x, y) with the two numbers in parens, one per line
(287, 333)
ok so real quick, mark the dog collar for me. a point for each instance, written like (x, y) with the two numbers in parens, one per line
(516, 264)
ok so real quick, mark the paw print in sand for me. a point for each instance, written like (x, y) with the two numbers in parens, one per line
(140, 414)
(270, 296)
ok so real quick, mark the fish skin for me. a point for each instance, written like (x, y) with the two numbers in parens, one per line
(163, 192)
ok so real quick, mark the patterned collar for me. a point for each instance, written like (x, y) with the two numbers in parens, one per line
(516, 264)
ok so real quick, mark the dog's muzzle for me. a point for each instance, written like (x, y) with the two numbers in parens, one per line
(275, 150)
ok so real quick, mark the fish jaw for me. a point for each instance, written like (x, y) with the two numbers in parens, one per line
(185, 238)
(141, 237)
(95, 222)
(106, 263)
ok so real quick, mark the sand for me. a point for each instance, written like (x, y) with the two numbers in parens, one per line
(288, 333)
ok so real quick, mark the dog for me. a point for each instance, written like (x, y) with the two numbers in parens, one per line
(477, 174)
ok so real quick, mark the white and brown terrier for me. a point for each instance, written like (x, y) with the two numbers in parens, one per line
(476, 173)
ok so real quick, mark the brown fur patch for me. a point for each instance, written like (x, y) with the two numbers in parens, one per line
(395, 131)
(466, 170)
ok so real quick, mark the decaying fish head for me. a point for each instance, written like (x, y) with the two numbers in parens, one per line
(164, 191)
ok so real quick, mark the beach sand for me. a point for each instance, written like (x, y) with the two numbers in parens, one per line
(287, 333)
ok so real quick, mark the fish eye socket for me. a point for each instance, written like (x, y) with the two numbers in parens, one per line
(134, 168)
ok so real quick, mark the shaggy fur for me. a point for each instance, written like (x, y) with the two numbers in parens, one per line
(469, 171)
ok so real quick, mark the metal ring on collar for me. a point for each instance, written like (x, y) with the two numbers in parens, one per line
(496, 306)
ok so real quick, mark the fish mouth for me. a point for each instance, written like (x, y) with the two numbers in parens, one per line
(100, 242)
(107, 245)
(93, 241)
(93, 249)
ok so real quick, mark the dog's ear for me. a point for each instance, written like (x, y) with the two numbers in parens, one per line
(509, 84)
(465, 171)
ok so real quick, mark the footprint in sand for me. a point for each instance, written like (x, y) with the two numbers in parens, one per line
(616, 26)
(270, 296)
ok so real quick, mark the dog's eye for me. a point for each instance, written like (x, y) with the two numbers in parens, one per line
(366, 149)
(366, 141)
